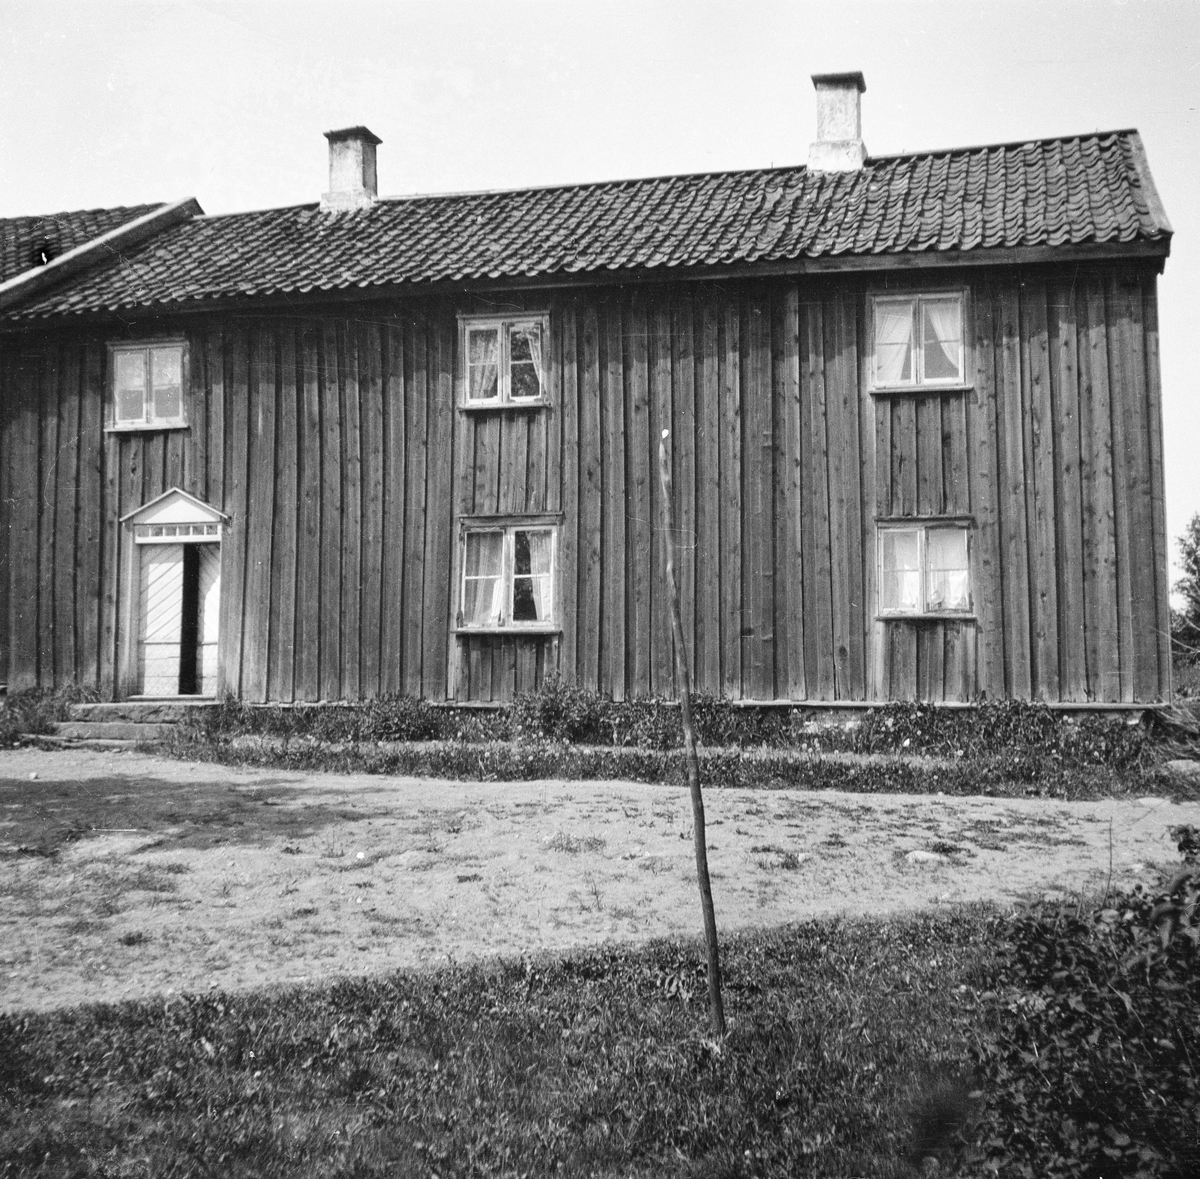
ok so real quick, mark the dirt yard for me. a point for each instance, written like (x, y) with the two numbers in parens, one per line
(123, 875)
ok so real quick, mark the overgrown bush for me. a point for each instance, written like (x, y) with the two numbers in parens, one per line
(558, 711)
(1029, 737)
(1013, 728)
(387, 718)
(1095, 1072)
(562, 731)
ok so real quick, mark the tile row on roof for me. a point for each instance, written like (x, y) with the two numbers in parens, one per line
(1088, 189)
(26, 242)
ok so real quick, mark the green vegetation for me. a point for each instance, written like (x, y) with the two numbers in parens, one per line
(1097, 1073)
(1059, 1041)
(1185, 622)
(845, 1040)
(561, 732)
(36, 710)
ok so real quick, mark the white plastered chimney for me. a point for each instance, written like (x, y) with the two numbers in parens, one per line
(839, 145)
(353, 182)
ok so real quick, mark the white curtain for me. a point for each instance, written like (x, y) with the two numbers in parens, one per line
(542, 581)
(534, 335)
(901, 589)
(945, 322)
(946, 556)
(483, 364)
(483, 583)
(893, 343)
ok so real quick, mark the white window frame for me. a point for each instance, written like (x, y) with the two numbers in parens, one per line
(918, 380)
(503, 326)
(922, 528)
(506, 623)
(148, 421)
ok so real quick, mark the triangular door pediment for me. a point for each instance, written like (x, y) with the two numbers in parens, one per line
(175, 507)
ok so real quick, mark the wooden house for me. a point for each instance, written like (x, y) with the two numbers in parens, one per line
(370, 446)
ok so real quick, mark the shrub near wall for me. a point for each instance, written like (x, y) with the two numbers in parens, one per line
(561, 713)
(563, 732)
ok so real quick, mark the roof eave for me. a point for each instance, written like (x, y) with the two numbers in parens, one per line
(923, 261)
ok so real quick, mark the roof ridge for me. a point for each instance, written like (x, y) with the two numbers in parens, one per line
(950, 151)
(621, 182)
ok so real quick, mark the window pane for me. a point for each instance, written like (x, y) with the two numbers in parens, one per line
(946, 557)
(129, 381)
(941, 333)
(900, 587)
(485, 554)
(525, 358)
(893, 343)
(166, 375)
(532, 580)
(483, 363)
(482, 599)
(483, 583)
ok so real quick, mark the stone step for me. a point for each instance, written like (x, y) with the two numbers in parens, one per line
(110, 731)
(142, 711)
(46, 740)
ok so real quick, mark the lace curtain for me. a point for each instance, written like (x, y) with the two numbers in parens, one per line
(944, 322)
(483, 582)
(539, 567)
(893, 343)
(534, 336)
(483, 364)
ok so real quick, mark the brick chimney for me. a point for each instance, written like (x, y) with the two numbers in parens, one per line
(839, 146)
(353, 183)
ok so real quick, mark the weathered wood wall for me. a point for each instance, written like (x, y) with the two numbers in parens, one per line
(335, 445)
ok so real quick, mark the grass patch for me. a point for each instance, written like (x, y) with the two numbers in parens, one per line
(597, 1064)
(1003, 774)
(1057, 1041)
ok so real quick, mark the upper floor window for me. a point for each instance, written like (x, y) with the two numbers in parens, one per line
(923, 569)
(147, 384)
(508, 577)
(918, 341)
(505, 361)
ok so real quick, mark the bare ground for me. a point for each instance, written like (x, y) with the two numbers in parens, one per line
(124, 875)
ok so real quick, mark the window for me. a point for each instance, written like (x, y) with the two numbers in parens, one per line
(923, 569)
(504, 361)
(918, 341)
(508, 577)
(147, 384)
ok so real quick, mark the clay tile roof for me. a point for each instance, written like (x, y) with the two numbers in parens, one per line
(23, 239)
(1057, 192)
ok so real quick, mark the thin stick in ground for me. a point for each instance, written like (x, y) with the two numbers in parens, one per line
(683, 688)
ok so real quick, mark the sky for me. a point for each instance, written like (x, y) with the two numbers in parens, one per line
(108, 104)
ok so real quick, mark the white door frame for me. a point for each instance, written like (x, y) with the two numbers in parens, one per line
(175, 517)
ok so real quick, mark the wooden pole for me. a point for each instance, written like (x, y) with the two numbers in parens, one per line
(683, 687)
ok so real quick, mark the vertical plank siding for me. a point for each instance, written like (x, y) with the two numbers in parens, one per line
(336, 447)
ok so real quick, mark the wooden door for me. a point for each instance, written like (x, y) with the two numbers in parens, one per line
(161, 619)
(180, 591)
(209, 600)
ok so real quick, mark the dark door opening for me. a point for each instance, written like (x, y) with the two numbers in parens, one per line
(189, 631)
